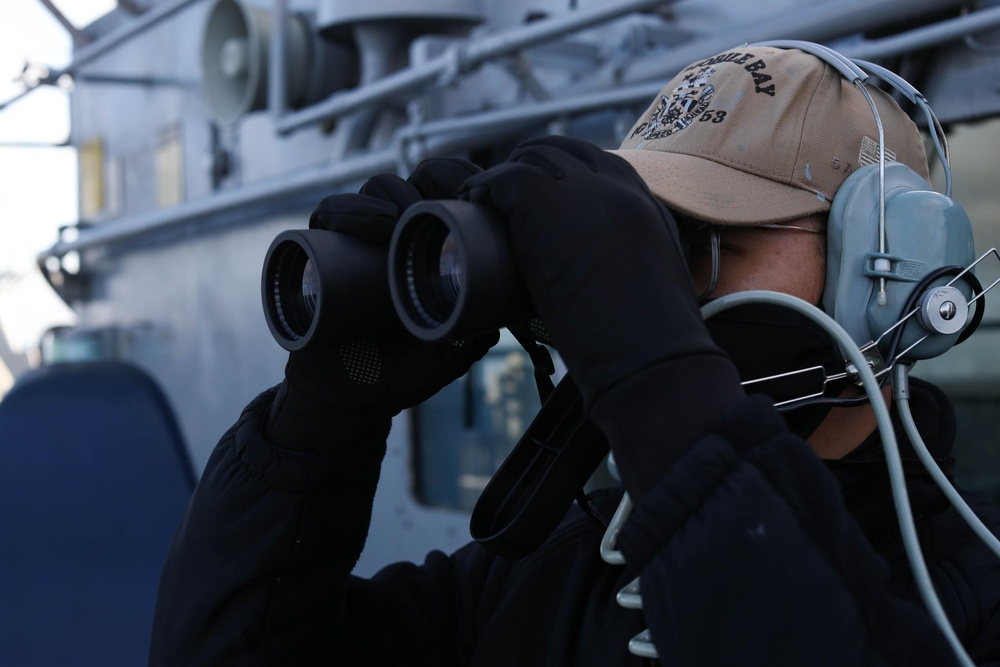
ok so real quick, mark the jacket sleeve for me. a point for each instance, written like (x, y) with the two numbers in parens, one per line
(748, 556)
(258, 568)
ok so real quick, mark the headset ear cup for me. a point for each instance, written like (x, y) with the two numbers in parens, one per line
(925, 231)
(932, 238)
(842, 243)
(852, 234)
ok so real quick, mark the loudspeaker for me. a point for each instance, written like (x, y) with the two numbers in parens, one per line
(894, 245)
(234, 61)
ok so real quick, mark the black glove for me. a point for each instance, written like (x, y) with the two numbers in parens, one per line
(332, 392)
(602, 261)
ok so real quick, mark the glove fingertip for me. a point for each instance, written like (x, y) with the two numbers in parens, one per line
(391, 188)
(490, 187)
(442, 178)
(359, 215)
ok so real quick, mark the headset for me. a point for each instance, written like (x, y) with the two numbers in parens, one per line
(900, 255)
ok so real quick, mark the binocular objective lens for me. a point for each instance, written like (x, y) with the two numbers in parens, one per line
(310, 288)
(294, 290)
(450, 268)
(434, 272)
(442, 287)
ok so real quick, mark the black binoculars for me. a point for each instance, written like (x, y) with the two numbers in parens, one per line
(448, 273)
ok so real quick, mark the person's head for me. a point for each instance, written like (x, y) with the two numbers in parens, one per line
(750, 148)
(757, 138)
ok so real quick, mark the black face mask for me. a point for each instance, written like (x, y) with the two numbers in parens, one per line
(763, 340)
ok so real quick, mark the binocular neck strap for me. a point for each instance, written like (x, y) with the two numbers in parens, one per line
(541, 360)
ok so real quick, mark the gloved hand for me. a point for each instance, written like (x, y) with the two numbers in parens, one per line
(330, 392)
(602, 261)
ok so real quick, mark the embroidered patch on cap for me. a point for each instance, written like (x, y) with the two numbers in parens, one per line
(681, 107)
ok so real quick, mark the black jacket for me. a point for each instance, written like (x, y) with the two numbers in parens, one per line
(750, 553)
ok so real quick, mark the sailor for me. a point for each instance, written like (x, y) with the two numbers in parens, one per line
(759, 537)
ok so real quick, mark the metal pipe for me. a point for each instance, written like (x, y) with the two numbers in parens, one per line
(23, 93)
(347, 101)
(115, 80)
(823, 23)
(467, 56)
(276, 102)
(34, 144)
(926, 36)
(507, 42)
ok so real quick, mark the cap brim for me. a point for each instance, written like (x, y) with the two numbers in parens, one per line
(713, 192)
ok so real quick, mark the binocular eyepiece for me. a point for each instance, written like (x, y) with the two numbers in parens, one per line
(448, 272)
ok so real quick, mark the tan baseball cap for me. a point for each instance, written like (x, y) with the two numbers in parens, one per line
(758, 135)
